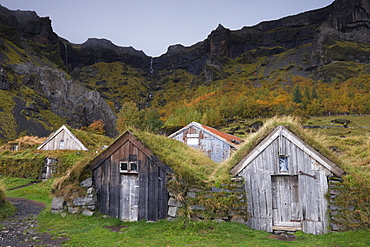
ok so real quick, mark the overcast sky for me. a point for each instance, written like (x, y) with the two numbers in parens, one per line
(153, 25)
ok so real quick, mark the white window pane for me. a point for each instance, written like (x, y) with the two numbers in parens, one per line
(283, 164)
(192, 141)
(61, 144)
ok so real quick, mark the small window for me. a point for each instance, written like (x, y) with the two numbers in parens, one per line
(123, 167)
(283, 164)
(133, 166)
(128, 167)
(15, 147)
(192, 141)
(61, 144)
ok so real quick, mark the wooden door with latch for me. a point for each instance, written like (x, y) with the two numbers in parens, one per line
(285, 203)
(129, 197)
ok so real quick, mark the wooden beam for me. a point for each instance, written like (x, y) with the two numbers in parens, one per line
(286, 228)
(255, 152)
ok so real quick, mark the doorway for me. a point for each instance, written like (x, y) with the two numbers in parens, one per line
(129, 197)
(285, 203)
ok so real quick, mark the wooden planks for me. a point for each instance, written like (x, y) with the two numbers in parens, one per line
(63, 138)
(131, 196)
(286, 201)
(293, 199)
(215, 147)
(129, 209)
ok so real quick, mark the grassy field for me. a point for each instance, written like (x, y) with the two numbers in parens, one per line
(97, 230)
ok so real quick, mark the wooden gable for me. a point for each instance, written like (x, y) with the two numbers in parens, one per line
(286, 181)
(130, 194)
(63, 138)
(216, 144)
(282, 137)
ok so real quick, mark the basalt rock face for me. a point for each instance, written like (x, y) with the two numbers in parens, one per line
(102, 50)
(29, 25)
(351, 19)
(67, 98)
(348, 20)
(191, 59)
(31, 61)
(311, 44)
(288, 32)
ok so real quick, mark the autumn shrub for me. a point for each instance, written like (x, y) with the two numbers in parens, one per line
(97, 127)
(130, 116)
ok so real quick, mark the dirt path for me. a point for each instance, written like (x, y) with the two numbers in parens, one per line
(19, 230)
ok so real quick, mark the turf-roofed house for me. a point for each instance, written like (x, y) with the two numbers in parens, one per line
(62, 139)
(217, 145)
(286, 181)
(130, 181)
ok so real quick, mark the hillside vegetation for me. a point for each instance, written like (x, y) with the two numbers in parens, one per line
(302, 65)
(27, 161)
(239, 89)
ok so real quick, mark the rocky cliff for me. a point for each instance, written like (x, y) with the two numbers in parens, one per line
(71, 80)
(39, 94)
(347, 20)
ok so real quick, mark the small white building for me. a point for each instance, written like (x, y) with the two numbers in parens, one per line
(217, 145)
(62, 139)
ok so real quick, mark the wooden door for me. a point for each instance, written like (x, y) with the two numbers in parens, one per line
(285, 202)
(129, 197)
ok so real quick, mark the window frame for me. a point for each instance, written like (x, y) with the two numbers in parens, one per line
(192, 139)
(129, 165)
(62, 144)
(285, 167)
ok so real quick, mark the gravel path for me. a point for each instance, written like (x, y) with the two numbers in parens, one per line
(19, 230)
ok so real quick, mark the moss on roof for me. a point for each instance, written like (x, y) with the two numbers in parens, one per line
(291, 123)
(193, 167)
(190, 166)
(90, 140)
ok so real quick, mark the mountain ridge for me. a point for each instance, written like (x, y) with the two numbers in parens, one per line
(316, 44)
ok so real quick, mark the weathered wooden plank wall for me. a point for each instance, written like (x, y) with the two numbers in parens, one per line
(131, 196)
(69, 142)
(217, 150)
(300, 199)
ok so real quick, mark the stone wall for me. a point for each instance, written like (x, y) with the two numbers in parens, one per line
(84, 205)
(334, 209)
(226, 202)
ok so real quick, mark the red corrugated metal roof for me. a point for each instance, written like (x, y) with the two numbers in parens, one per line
(223, 135)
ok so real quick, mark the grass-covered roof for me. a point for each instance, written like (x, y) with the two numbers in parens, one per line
(190, 166)
(291, 123)
(193, 168)
(187, 163)
(90, 140)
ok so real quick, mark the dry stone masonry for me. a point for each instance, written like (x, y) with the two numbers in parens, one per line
(199, 203)
(223, 203)
(84, 205)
